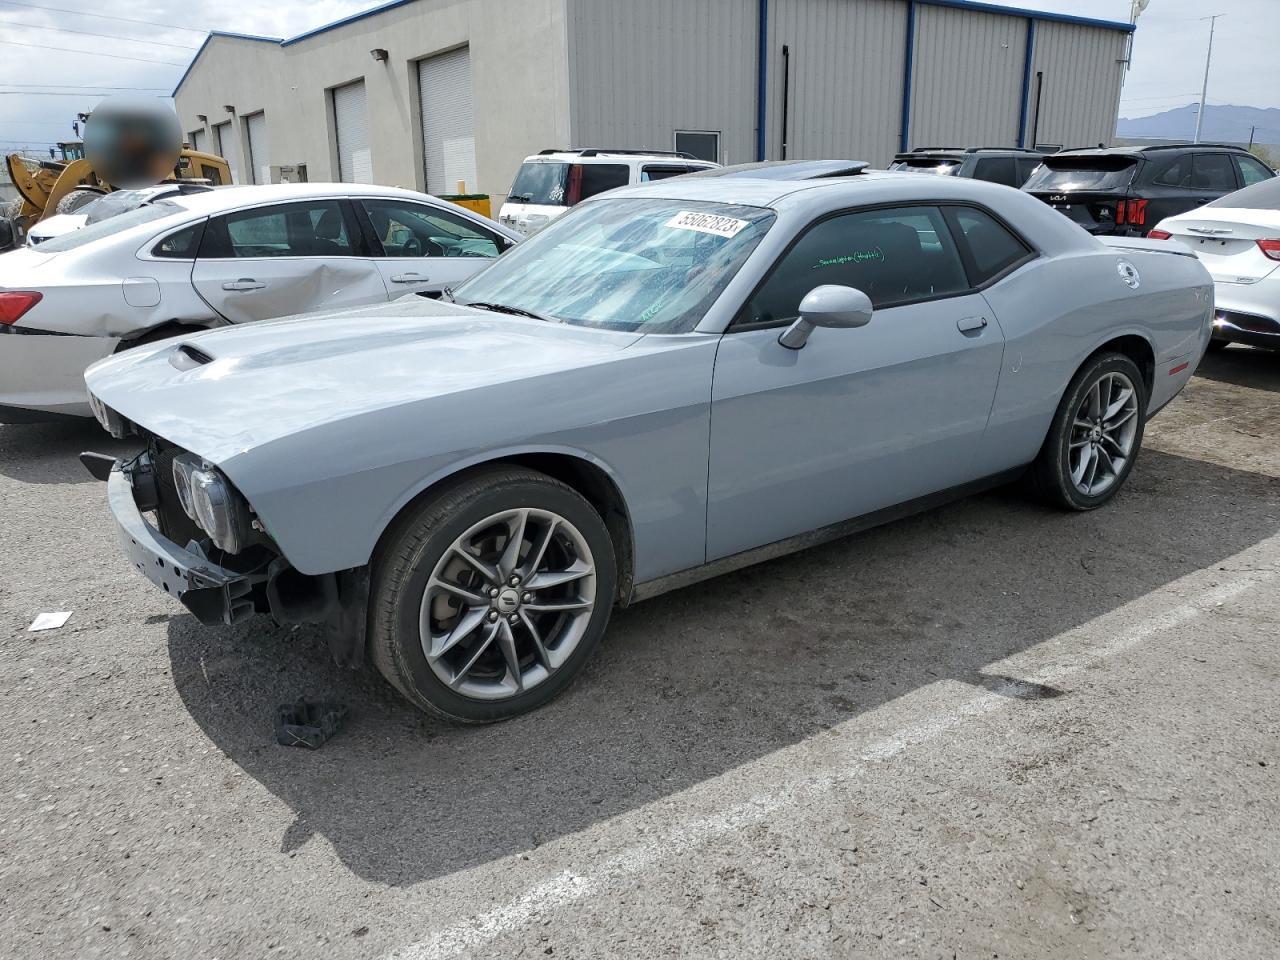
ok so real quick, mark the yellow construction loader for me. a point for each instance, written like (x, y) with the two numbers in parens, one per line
(49, 187)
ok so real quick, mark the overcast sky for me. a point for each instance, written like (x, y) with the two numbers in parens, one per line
(1168, 56)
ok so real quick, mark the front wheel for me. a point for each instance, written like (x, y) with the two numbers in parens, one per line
(488, 599)
(1095, 436)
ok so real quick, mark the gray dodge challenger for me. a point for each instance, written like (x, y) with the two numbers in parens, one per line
(669, 382)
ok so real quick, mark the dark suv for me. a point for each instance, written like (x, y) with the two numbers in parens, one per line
(1008, 165)
(1125, 191)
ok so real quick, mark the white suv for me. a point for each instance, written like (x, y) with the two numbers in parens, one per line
(552, 181)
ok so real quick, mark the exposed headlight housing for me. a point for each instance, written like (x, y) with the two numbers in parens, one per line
(212, 503)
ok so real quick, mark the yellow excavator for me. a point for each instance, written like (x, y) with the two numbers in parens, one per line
(49, 187)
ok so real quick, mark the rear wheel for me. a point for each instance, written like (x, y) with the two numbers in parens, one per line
(76, 199)
(488, 599)
(1095, 436)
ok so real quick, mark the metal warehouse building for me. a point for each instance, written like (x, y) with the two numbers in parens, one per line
(424, 93)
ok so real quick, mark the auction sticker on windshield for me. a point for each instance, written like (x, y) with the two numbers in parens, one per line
(707, 223)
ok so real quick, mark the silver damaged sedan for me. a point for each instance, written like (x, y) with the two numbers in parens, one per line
(669, 382)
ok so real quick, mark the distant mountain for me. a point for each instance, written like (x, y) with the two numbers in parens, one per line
(1223, 123)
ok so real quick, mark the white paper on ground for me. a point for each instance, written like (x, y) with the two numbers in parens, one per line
(49, 621)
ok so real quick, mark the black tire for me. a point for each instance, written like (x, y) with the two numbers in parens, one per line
(1215, 344)
(405, 561)
(76, 199)
(1050, 474)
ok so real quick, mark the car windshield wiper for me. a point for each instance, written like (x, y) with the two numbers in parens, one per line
(507, 308)
(519, 197)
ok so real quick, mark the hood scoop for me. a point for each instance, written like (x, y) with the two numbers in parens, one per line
(187, 357)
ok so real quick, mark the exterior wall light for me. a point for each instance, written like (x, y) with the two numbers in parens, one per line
(378, 54)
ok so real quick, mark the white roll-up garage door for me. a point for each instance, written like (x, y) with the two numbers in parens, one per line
(448, 140)
(259, 158)
(226, 144)
(199, 141)
(351, 126)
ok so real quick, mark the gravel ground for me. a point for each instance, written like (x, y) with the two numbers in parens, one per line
(990, 730)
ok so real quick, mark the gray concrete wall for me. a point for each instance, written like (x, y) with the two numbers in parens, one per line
(519, 67)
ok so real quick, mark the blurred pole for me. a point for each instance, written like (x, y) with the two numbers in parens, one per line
(1204, 90)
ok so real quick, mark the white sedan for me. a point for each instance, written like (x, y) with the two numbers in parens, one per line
(1237, 237)
(225, 256)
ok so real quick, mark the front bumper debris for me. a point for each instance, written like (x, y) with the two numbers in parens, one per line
(214, 594)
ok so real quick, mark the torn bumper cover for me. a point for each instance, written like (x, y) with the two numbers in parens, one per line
(214, 594)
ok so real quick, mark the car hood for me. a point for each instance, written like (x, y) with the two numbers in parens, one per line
(225, 392)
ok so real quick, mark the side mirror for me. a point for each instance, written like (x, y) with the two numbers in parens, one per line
(829, 305)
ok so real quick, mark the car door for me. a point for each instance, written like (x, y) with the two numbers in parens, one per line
(857, 419)
(419, 247)
(284, 258)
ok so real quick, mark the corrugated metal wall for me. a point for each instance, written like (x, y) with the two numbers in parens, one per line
(845, 86)
(967, 73)
(1082, 73)
(640, 71)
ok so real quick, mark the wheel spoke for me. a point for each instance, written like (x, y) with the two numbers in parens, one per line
(485, 570)
(1111, 463)
(507, 644)
(515, 539)
(466, 594)
(467, 624)
(539, 549)
(1079, 470)
(541, 581)
(1095, 400)
(489, 636)
(1120, 421)
(1117, 405)
(540, 651)
(557, 606)
(1093, 471)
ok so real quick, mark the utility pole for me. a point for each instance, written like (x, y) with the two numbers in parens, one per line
(1204, 90)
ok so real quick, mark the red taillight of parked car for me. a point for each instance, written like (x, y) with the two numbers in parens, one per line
(573, 188)
(14, 303)
(1132, 212)
(1159, 235)
(1270, 249)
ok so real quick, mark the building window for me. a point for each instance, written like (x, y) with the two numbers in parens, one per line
(700, 144)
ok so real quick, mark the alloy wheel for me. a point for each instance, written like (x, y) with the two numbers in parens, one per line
(1102, 434)
(507, 603)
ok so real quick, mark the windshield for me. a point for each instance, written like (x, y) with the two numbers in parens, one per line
(113, 204)
(1082, 173)
(106, 228)
(648, 265)
(1264, 195)
(936, 165)
(541, 183)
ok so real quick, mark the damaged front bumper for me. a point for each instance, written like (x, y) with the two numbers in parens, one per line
(214, 594)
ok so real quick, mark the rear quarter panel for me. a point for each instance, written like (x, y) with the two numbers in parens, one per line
(1056, 312)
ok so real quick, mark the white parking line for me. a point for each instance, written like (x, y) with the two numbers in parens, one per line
(1066, 654)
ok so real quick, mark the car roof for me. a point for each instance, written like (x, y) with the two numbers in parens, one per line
(220, 199)
(767, 192)
(786, 169)
(1144, 149)
(965, 151)
(611, 156)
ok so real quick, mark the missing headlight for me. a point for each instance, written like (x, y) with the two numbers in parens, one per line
(212, 503)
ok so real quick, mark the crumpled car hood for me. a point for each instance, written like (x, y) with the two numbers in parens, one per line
(224, 392)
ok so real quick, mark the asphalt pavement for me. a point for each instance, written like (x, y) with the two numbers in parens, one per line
(992, 730)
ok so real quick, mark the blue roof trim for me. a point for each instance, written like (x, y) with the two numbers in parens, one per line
(208, 39)
(345, 20)
(1033, 14)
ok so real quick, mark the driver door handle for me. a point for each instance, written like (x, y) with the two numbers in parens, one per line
(970, 324)
(410, 278)
(244, 283)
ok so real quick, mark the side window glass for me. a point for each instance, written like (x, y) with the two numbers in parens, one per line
(181, 245)
(649, 174)
(599, 177)
(1251, 171)
(997, 170)
(893, 256)
(1025, 169)
(992, 248)
(1177, 174)
(417, 230)
(312, 229)
(1213, 171)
